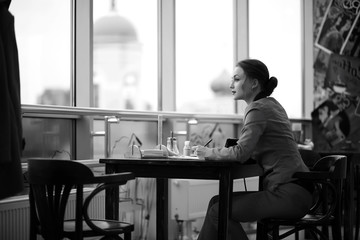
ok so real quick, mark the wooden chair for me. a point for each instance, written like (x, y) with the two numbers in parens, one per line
(50, 183)
(327, 175)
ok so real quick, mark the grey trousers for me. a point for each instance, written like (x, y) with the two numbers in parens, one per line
(287, 201)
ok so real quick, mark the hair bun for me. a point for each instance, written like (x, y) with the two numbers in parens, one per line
(270, 85)
(273, 82)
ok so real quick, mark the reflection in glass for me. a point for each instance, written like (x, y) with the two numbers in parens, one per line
(43, 31)
(125, 38)
(204, 56)
(47, 138)
(200, 132)
(123, 135)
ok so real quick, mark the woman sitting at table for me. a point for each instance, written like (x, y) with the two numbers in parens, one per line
(267, 138)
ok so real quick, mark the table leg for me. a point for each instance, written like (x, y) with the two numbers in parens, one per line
(225, 190)
(162, 196)
(111, 197)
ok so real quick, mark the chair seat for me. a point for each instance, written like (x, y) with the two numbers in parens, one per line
(69, 226)
(307, 219)
(311, 218)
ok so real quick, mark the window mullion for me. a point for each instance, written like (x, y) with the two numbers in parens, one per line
(167, 91)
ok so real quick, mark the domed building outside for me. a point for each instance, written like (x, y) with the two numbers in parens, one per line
(221, 101)
(117, 63)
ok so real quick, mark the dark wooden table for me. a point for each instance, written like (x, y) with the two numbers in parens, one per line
(163, 169)
(353, 158)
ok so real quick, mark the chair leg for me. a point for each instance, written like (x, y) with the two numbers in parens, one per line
(323, 236)
(357, 220)
(336, 225)
(261, 232)
(127, 236)
(336, 230)
(307, 234)
(314, 235)
(275, 232)
(325, 229)
(297, 235)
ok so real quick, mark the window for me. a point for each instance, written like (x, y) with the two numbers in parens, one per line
(204, 55)
(48, 138)
(275, 38)
(125, 54)
(43, 35)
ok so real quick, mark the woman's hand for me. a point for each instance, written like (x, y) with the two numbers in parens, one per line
(200, 151)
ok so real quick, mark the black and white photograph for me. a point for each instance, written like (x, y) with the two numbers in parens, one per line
(179, 119)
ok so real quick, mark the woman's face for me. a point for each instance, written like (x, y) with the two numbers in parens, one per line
(241, 86)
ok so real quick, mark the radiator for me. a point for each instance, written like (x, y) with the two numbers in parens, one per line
(15, 214)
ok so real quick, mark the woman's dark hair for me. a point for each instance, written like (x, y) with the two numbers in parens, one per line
(256, 69)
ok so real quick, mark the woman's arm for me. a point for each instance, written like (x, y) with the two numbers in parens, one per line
(254, 126)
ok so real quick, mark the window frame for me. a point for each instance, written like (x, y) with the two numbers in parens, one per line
(82, 60)
(82, 51)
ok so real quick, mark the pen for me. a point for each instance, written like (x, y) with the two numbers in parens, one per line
(206, 144)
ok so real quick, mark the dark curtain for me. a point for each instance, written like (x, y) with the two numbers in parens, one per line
(11, 181)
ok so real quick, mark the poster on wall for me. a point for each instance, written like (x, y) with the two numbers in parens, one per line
(331, 126)
(336, 122)
(352, 46)
(339, 28)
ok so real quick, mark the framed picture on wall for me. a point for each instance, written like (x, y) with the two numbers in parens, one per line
(338, 26)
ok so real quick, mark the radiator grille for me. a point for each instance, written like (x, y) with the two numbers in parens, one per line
(14, 222)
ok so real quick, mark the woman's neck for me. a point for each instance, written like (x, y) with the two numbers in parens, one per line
(253, 97)
(259, 96)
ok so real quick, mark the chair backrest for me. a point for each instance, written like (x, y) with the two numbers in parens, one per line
(334, 164)
(329, 198)
(50, 183)
(55, 171)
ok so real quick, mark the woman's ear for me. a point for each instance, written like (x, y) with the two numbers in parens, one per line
(255, 84)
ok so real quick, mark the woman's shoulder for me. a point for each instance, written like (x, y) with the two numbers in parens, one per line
(259, 109)
(268, 106)
(264, 103)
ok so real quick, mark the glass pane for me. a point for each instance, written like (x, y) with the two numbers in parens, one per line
(204, 55)
(127, 133)
(123, 135)
(125, 54)
(275, 39)
(47, 138)
(43, 34)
